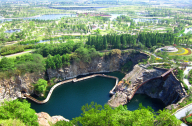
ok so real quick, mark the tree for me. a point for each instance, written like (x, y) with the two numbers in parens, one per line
(11, 122)
(165, 118)
(7, 64)
(96, 115)
(41, 85)
(18, 110)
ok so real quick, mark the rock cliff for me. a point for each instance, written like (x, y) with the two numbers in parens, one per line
(11, 88)
(97, 65)
(169, 91)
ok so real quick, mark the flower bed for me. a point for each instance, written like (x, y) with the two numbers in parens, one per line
(181, 51)
(187, 119)
(189, 51)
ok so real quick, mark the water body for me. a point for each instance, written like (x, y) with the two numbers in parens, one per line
(52, 16)
(13, 30)
(188, 30)
(114, 16)
(136, 20)
(67, 99)
(44, 17)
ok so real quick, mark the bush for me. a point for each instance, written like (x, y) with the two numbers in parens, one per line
(11, 122)
(63, 123)
(185, 86)
(41, 85)
(19, 110)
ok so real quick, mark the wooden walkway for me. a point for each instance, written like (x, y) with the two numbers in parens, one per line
(67, 81)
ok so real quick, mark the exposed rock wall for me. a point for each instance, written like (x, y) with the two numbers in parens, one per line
(11, 88)
(44, 119)
(169, 91)
(97, 65)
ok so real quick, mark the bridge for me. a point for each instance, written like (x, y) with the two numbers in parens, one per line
(67, 81)
(164, 76)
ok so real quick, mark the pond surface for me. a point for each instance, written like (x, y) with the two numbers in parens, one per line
(13, 30)
(188, 30)
(52, 16)
(44, 17)
(68, 99)
(114, 16)
(136, 20)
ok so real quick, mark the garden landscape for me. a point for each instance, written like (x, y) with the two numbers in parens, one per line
(95, 63)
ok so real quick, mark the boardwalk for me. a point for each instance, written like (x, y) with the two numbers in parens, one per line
(67, 81)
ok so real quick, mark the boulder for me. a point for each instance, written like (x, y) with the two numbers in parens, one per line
(44, 119)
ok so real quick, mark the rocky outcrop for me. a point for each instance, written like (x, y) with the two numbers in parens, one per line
(97, 65)
(119, 98)
(169, 91)
(149, 82)
(44, 119)
(131, 82)
(11, 88)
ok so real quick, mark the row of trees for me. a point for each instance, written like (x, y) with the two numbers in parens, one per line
(57, 61)
(127, 40)
(6, 50)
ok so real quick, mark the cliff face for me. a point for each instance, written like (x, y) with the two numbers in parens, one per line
(97, 65)
(11, 88)
(169, 91)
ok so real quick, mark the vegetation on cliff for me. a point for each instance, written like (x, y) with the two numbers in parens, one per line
(24, 64)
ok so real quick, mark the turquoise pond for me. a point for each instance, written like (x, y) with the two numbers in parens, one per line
(67, 99)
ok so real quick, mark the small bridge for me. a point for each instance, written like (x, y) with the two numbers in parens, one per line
(164, 76)
(71, 80)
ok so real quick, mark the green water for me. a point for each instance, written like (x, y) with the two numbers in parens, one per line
(67, 99)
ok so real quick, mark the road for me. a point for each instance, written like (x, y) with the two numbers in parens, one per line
(186, 72)
(182, 112)
(17, 53)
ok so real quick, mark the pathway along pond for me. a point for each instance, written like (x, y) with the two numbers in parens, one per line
(67, 99)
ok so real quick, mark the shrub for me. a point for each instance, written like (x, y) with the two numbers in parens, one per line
(63, 123)
(41, 85)
(18, 110)
(185, 86)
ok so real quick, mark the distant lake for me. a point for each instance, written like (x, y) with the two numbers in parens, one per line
(136, 20)
(52, 16)
(13, 30)
(43, 17)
